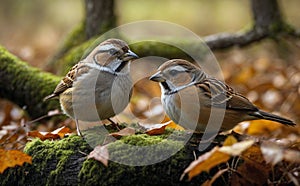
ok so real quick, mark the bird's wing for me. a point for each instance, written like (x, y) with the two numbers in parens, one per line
(223, 96)
(67, 81)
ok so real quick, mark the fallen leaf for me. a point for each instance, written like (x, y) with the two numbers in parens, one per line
(205, 163)
(254, 154)
(100, 153)
(175, 126)
(124, 132)
(230, 140)
(11, 158)
(56, 134)
(237, 148)
(62, 131)
(155, 129)
(250, 173)
(254, 169)
(263, 127)
(216, 156)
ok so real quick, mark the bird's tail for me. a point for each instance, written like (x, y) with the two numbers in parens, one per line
(51, 96)
(273, 117)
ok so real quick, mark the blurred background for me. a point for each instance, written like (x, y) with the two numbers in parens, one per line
(34, 29)
(268, 72)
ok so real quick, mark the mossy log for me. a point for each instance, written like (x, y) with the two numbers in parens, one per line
(25, 85)
(64, 162)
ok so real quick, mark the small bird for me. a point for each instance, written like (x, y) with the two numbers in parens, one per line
(193, 99)
(99, 86)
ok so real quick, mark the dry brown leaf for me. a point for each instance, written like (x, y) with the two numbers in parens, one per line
(254, 170)
(254, 154)
(11, 158)
(56, 134)
(101, 154)
(250, 173)
(124, 132)
(155, 129)
(205, 162)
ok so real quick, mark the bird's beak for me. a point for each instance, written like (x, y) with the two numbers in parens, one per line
(158, 77)
(129, 56)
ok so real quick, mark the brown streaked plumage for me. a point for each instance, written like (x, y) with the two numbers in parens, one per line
(99, 86)
(204, 98)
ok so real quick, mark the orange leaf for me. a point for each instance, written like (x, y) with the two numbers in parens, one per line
(58, 133)
(174, 126)
(124, 132)
(230, 140)
(263, 127)
(11, 158)
(100, 153)
(216, 156)
(206, 162)
(62, 131)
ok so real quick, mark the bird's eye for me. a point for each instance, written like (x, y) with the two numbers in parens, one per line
(173, 72)
(113, 51)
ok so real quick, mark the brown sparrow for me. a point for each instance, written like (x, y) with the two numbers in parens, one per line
(99, 86)
(204, 99)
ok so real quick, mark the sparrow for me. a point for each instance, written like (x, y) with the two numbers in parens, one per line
(99, 86)
(192, 98)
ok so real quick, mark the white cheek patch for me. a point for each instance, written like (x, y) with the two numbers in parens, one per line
(178, 68)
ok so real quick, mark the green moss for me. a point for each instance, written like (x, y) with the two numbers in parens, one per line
(25, 85)
(164, 172)
(59, 152)
(137, 159)
(140, 149)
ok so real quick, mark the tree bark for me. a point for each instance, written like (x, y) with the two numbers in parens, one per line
(100, 16)
(266, 13)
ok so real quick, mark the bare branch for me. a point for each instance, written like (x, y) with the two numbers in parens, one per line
(268, 22)
(225, 40)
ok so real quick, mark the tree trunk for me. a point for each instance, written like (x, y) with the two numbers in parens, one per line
(266, 13)
(100, 16)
